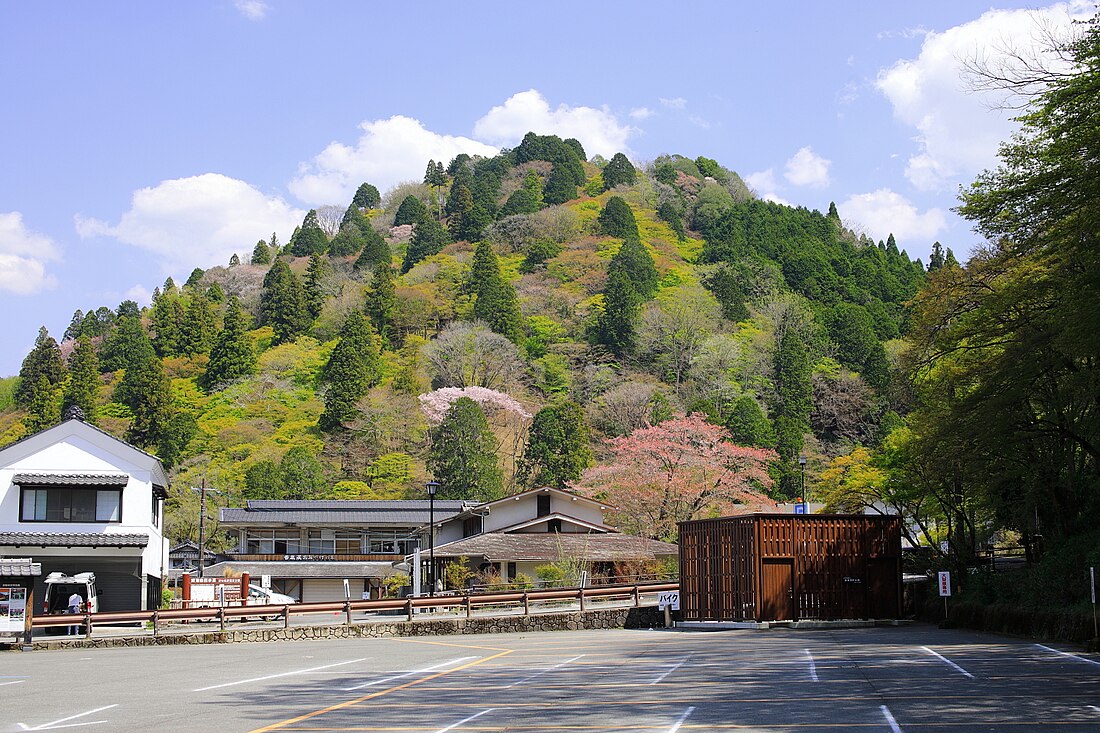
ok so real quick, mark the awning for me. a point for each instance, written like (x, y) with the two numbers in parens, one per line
(70, 478)
(302, 569)
(11, 567)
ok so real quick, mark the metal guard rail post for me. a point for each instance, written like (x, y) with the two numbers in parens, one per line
(468, 600)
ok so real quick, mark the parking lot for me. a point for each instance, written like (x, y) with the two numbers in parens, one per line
(916, 678)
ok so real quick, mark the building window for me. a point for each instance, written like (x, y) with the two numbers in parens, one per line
(322, 542)
(156, 510)
(68, 504)
(512, 571)
(544, 505)
(471, 526)
(392, 541)
(349, 543)
(554, 525)
(273, 542)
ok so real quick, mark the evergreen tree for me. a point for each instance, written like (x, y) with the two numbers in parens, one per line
(214, 293)
(852, 330)
(175, 436)
(262, 480)
(410, 211)
(276, 248)
(261, 254)
(281, 303)
(875, 369)
(167, 317)
(313, 291)
(795, 401)
(83, 386)
(352, 369)
(347, 241)
(615, 324)
(619, 171)
(146, 391)
(72, 331)
(309, 238)
(198, 326)
(460, 203)
(43, 362)
(130, 308)
(381, 304)
(949, 260)
(126, 344)
(634, 260)
(496, 301)
(557, 446)
(302, 475)
(560, 186)
(463, 455)
(194, 278)
(520, 202)
(673, 216)
(366, 197)
(233, 355)
(375, 251)
(43, 411)
(748, 425)
(935, 260)
(833, 214)
(427, 240)
(435, 179)
(617, 220)
(234, 260)
(578, 149)
(724, 284)
(458, 163)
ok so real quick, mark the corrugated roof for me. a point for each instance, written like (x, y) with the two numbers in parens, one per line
(70, 478)
(304, 569)
(72, 539)
(409, 513)
(496, 547)
(349, 504)
(14, 568)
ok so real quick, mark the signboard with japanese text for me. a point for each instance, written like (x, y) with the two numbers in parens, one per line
(945, 583)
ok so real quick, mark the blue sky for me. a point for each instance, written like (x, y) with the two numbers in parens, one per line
(140, 140)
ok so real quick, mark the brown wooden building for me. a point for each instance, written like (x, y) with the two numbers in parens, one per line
(779, 567)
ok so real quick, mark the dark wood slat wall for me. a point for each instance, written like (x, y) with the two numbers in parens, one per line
(841, 566)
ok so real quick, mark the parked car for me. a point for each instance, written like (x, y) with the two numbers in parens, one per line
(59, 587)
(258, 596)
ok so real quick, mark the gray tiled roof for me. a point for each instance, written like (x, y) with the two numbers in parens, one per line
(497, 546)
(13, 568)
(411, 512)
(304, 569)
(70, 478)
(72, 539)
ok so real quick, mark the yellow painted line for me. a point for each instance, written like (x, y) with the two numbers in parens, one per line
(380, 693)
(460, 646)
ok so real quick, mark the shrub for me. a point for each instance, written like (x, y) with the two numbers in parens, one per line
(393, 584)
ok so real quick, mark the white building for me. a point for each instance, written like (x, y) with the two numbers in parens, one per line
(77, 499)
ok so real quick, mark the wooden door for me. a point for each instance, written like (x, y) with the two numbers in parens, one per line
(883, 587)
(777, 591)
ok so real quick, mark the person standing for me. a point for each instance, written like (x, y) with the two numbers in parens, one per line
(76, 602)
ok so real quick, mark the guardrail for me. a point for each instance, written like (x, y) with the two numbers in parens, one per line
(468, 602)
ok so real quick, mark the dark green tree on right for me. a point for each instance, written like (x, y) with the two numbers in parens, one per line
(557, 446)
(309, 238)
(83, 386)
(496, 301)
(366, 197)
(463, 455)
(233, 356)
(619, 171)
(43, 362)
(352, 369)
(410, 211)
(282, 304)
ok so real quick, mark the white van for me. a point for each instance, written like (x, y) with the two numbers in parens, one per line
(258, 596)
(59, 587)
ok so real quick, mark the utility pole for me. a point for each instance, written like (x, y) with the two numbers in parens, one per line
(202, 522)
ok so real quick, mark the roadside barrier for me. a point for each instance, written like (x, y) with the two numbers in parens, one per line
(468, 603)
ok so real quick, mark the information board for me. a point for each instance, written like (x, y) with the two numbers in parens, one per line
(945, 583)
(13, 608)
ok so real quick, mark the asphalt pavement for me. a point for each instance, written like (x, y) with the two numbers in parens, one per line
(915, 678)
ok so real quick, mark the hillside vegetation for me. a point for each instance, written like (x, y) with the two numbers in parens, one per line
(493, 327)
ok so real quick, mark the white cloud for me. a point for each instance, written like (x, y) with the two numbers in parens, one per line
(252, 9)
(23, 257)
(884, 212)
(201, 220)
(641, 113)
(958, 129)
(597, 129)
(776, 199)
(674, 103)
(762, 180)
(388, 151)
(807, 168)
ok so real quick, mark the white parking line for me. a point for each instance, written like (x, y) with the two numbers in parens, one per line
(670, 671)
(890, 719)
(539, 674)
(54, 724)
(281, 674)
(1067, 654)
(945, 660)
(407, 674)
(684, 717)
(13, 682)
(813, 667)
(463, 722)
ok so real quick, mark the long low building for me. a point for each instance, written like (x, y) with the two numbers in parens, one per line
(307, 549)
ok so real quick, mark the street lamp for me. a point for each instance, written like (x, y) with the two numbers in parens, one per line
(202, 523)
(432, 487)
(802, 463)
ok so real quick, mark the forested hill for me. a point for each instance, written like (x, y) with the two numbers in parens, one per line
(493, 326)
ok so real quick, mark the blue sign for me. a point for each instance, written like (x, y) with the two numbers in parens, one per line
(800, 508)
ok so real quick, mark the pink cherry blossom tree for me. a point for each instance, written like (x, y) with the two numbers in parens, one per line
(677, 470)
(435, 404)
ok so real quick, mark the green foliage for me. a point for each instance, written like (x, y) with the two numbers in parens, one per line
(557, 446)
(615, 323)
(282, 304)
(374, 251)
(381, 304)
(553, 149)
(619, 172)
(495, 299)
(302, 476)
(748, 425)
(411, 211)
(366, 197)
(520, 202)
(560, 187)
(309, 238)
(82, 389)
(851, 329)
(636, 263)
(795, 400)
(42, 363)
(146, 391)
(353, 368)
(313, 295)
(617, 220)
(463, 455)
(725, 284)
(233, 355)
(261, 254)
(392, 584)
(456, 575)
(196, 333)
(428, 239)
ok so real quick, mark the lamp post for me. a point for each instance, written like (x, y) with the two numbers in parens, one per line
(802, 464)
(432, 487)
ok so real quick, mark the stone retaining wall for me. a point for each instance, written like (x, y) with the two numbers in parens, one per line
(617, 618)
